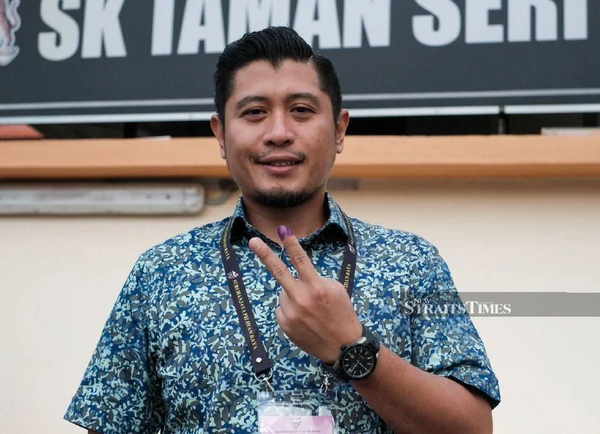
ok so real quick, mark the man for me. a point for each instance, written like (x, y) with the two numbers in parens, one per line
(209, 319)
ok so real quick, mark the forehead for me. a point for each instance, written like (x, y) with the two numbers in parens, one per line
(260, 78)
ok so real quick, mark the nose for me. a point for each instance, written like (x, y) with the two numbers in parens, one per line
(279, 130)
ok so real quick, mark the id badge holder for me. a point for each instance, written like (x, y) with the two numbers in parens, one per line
(296, 412)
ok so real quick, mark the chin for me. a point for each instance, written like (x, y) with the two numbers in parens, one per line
(280, 198)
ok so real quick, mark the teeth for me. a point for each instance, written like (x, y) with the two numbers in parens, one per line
(282, 163)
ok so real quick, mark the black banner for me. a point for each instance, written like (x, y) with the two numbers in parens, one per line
(500, 304)
(153, 60)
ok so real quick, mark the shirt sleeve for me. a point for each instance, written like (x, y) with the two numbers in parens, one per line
(120, 391)
(445, 341)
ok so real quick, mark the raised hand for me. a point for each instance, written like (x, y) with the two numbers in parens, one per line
(314, 312)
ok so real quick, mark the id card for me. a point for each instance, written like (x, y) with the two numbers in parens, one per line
(296, 425)
(296, 412)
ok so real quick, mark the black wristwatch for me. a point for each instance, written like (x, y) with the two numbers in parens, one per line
(357, 360)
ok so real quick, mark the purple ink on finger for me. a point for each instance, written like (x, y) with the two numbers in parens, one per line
(284, 232)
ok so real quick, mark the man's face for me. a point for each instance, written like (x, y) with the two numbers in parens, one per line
(279, 140)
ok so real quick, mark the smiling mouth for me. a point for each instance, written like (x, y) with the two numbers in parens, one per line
(282, 163)
(280, 159)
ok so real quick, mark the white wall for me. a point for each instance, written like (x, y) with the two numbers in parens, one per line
(60, 276)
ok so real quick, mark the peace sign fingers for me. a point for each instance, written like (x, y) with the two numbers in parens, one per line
(276, 267)
(304, 267)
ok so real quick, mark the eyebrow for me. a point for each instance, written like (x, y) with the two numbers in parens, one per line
(307, 96)
(250, 99)
(263, 99)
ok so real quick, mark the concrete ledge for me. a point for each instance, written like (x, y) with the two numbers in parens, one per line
(364, 157)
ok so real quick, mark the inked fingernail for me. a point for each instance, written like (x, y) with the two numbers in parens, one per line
(284, 232)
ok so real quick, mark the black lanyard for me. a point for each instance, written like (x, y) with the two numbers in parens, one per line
(258, 354)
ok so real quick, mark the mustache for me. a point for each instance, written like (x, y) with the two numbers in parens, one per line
(257, 158)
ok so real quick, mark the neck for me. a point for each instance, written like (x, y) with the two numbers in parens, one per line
(303, 220)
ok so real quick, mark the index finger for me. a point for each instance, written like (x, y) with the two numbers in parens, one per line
(304, 267)
(276, 267)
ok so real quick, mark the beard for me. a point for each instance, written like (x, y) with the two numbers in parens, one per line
(279, 198)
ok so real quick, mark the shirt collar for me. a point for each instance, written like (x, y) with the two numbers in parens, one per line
(335, 225)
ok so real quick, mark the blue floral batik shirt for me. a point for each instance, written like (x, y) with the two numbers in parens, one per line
(172, 355)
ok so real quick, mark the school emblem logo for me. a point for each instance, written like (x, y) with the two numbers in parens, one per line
(296, 423)
(10, 21)
(232, 275)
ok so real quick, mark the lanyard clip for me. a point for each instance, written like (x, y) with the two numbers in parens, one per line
(265, 378)
(324, 388)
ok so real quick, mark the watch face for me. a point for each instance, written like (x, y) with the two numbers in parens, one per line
(358, 362)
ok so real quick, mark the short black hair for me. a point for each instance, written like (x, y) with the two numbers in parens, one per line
(274, 44)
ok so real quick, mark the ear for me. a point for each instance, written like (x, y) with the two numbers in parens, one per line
(217, 128)
(340, 129)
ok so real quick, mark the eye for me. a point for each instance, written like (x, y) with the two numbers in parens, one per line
(302, 110)
(254, 112)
